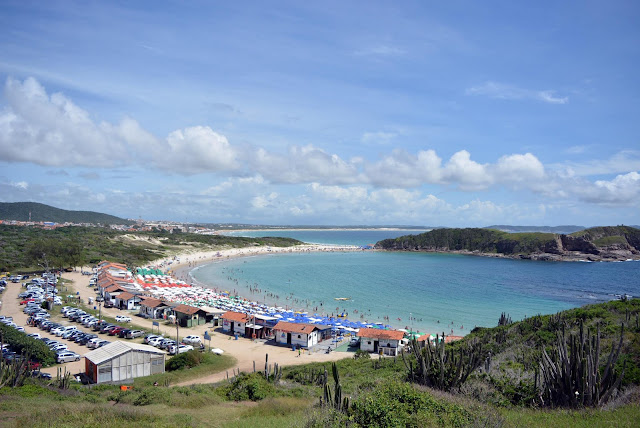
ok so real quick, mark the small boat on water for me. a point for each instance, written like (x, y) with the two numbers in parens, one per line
(343, 298)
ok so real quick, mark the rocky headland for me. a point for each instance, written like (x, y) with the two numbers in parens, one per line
(610, 243)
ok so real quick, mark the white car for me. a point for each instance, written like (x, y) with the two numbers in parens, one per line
(58, 347)
(181, 349)
(192, 340)
(67, 356)
(123, 318)
(156, 341)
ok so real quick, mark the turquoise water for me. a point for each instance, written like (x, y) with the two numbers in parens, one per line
(337, 237)
(427, 292)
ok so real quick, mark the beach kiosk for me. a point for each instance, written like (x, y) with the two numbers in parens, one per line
(296, 334)
(234, 322)
(376, 340)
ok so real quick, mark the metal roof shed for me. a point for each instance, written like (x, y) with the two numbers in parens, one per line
(120, 362)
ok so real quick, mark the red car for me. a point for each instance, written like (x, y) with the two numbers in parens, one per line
(25, 301)
(115, 330)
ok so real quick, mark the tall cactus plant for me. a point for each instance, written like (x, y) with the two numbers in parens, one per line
(443, 369)
(571, 375)
(335, 400)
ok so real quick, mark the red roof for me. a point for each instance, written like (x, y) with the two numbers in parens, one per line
(291, 327)
(235, 316)
(126, 296)
(449, 339)
(186, 309)
(377, 333)
(114, 287)
(152, 303)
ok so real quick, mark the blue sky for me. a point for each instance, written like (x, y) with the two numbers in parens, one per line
(337, 113)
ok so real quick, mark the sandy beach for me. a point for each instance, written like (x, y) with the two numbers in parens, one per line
(245, 351)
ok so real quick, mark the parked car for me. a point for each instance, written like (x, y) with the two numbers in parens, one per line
(134, 333)
(93, 343)
(115, 330)
(192, 340)
(58, 347)
(41, 375)
(150, 336)
(65, 357)
(123, 318)
(123, 333)
(181, 349)
(86, 338)
(155, 341)
(105, 328)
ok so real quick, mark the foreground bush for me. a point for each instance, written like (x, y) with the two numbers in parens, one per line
(245, 387)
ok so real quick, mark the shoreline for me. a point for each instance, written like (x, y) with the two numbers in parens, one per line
(184, 268)
(541, 257)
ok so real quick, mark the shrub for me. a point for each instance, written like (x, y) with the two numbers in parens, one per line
(184, 360)
(21, 343)
(399, 404)
(361, 354)
(245, 387)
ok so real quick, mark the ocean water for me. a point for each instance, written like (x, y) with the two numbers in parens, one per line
(428, 292)
(336, 237)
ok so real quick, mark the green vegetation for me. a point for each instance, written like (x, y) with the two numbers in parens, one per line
(30, 248)
(22, 211)
(482, 240)
(494, 241)
(23, 344)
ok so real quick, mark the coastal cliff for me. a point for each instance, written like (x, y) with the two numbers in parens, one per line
(595, 244)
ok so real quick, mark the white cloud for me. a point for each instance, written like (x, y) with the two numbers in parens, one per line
(381, 50)
(197, 149)
(505, 91)
(466, 173)
(303, 164)
(549, 97)
(621, 162)
(20, 185)
(53, 131)
(379, 137)
(519, 168)
(623, 189)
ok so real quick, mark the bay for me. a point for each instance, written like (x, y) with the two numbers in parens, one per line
(428, 292)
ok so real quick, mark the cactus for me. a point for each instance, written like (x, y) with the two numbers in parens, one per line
(334, 400)
(63, 378)
(571, 376)
(505, 319)
(441, 369)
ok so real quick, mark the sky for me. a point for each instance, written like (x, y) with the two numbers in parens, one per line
(456, 113)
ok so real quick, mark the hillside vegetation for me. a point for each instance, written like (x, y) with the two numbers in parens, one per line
(29, 247)
(599, 243)
(40, 212)
(366, 391)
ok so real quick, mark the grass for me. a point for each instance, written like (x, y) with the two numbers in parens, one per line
(212, 364)
(626, 416)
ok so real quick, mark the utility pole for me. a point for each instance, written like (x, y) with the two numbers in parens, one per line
(177, 340)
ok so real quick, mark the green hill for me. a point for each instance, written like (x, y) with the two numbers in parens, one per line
(20, 211)
(598, 243)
